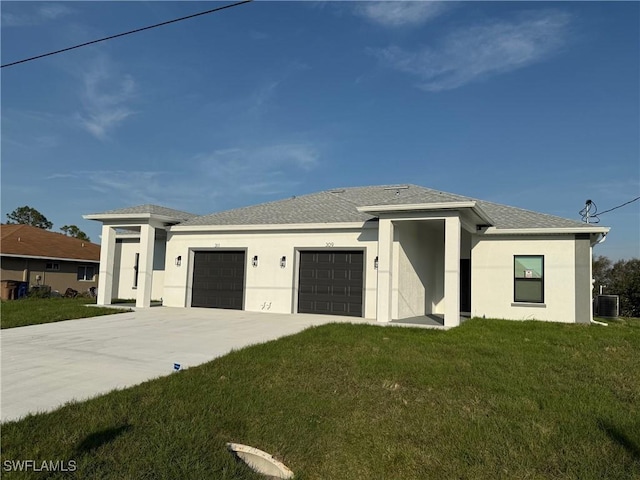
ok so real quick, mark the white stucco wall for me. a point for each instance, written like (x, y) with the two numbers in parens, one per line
(268, 287)
(123, 272)
(419, 282)
(492, 277)
(123, 275)
(412, 271)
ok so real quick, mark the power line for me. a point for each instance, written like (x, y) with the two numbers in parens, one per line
(126, 33)
(626, 203)
(590, 212)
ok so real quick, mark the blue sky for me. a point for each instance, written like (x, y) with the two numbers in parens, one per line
(534, 105)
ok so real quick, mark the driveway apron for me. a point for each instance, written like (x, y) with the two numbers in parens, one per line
(45, 366)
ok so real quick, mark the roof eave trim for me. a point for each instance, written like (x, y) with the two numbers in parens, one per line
(133, 216)
(544, 231)
(273, 227)
(373, 209)
(416, 207)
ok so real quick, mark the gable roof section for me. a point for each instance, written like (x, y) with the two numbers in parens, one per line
(330, 206)
(28, 241)
(506, 217)
(322, 207)
(341, 206)
(152, 209)
(149, 209)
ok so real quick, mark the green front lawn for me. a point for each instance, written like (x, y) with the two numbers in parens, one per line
(490, 399)
(32, 311)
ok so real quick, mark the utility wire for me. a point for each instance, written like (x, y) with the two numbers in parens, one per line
(126, 33)
(614, 208)
(590, 212)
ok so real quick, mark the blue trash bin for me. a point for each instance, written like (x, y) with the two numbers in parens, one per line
(23, 289)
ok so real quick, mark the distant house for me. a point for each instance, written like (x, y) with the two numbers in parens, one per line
(41, 257)
(388, 252)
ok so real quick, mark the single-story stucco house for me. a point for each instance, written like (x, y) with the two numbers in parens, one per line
(41, 257)
(378, 252)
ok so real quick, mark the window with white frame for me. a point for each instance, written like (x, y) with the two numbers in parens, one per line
(528, 282)
(52, 266)
(86, 273)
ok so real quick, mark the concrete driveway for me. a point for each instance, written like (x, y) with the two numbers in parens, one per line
(45, 366)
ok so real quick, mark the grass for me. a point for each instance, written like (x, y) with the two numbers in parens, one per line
(490, 399)
(33, 311)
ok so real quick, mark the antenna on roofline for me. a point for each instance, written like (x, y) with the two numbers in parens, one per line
(588, 213)
(588, 209)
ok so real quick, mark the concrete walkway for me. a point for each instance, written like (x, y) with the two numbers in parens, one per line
(45, 366)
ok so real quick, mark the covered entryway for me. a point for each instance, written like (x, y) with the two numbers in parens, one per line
(218, 279)
(419, 272)
(331, 282)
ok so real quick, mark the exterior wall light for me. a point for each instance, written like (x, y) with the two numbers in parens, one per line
(375, 263)
(178, 261)
(254, 262)
(283, 262)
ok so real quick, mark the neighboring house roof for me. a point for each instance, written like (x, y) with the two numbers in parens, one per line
(341, 206)
(28, 241)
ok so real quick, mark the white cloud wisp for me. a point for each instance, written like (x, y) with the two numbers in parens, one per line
(395, 14)
(481, 51)
(260, 170)
(34, 15)
(105, 97)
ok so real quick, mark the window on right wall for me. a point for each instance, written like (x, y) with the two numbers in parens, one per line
(528, 278)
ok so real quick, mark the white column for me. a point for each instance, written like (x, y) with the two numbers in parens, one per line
(107, 265)
(452, 272)
(385, 268)
(145, 265)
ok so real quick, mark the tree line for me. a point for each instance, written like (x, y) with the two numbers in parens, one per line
(30, 216)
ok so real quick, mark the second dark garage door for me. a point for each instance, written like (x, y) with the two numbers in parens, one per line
(218, 279)
(331, 283)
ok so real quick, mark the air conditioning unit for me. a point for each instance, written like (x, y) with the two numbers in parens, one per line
(607, 306)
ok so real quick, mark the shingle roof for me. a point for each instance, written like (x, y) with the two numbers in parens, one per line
(331, 206)
(151, 209)
(36, 242)
(340, 206)
(506, 217)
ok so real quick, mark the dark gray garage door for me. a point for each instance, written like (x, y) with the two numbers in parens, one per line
(331, 283)
(218, 280)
